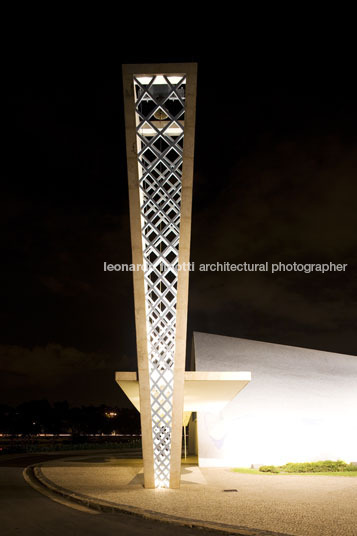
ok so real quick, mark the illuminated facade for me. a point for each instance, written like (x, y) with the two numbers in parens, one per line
(159, 118)
(300, 406)
(160, 109)
(298, 397)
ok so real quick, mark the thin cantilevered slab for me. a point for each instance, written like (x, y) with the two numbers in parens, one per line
(202, 390)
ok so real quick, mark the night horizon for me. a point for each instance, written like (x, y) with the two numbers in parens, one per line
(274, 181)
(162, 369)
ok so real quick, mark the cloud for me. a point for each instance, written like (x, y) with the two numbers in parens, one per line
(296, 199)
(56, 372)
(290, 201)
(51, 362)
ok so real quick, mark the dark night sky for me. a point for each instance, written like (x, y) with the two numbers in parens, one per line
(275, 180)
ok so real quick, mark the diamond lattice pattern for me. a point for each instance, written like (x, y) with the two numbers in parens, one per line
(160, 108)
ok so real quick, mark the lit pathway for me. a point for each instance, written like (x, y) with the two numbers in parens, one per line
(292, 504)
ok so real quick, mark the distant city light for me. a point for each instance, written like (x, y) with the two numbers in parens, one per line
(111, 414)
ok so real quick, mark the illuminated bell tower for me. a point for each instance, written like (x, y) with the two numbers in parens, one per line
(160, 102)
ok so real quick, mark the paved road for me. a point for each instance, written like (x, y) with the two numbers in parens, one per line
(25, 512)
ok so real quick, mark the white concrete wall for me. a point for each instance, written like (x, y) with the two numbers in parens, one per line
(301, 404)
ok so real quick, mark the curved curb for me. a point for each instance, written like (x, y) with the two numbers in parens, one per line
(35, 478)
(36, 484)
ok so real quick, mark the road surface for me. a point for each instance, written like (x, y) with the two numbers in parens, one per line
(25, 512)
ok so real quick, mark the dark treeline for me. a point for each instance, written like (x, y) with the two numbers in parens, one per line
(41, 417)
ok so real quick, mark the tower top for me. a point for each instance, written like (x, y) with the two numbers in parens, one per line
(159, 68)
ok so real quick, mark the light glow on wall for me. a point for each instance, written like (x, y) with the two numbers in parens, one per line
(160, 108)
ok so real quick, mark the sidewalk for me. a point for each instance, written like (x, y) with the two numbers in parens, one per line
(287, 504)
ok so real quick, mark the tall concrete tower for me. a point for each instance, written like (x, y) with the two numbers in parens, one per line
(160, 106)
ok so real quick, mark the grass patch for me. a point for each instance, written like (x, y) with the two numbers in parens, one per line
(323, 468)
(246, 470)
(327, 473)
